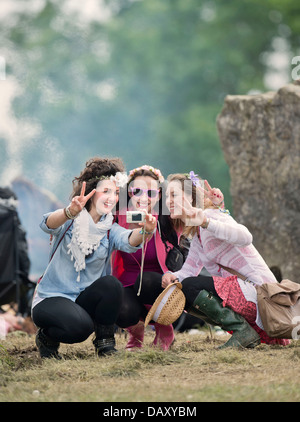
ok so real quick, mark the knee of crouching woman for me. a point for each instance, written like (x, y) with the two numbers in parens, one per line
(112, 283)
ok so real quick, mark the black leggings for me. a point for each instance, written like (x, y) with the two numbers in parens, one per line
(133, 309)
(73, 322)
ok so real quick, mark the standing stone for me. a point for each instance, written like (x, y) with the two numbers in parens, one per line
(260, 137)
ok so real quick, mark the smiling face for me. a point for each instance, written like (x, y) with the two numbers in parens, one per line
(106, 197)
(144, 193)
(175, 198)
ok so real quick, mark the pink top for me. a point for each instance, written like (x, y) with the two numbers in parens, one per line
(228, 243)
(132, 263)
(126, 267)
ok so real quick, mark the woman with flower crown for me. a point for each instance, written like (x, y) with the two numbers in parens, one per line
(228, 298)
(76, 295)
(144, 189)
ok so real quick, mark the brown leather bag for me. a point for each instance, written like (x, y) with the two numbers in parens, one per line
(279, 307)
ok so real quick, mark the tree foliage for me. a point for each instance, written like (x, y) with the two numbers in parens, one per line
(145, 85)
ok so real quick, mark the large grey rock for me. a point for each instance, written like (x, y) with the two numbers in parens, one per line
(260, 137)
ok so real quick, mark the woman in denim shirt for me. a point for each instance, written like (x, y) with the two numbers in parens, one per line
(77, 295)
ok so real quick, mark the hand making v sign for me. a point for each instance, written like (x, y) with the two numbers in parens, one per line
(78, 202)
(214, 194)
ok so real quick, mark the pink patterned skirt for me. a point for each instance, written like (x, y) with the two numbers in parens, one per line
(230, 292)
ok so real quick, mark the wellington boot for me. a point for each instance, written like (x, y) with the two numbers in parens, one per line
(194, 310)
(164, 337)
(244, 336)
(136, 336)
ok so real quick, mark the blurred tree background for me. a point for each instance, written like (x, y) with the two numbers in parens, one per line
(143, 80)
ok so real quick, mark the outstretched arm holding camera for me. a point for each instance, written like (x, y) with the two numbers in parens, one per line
(147, 228)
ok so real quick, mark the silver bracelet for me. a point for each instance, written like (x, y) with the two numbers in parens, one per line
(68, 213)
(205, 224)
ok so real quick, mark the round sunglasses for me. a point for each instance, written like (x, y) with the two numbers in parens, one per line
(151, 193)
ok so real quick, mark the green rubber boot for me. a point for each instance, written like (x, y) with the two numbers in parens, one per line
(195, 311)
(244, 336)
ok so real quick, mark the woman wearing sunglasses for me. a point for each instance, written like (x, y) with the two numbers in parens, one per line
(144, 193)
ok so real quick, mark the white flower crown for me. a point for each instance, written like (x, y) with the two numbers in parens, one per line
(120, 179)
(157, 172)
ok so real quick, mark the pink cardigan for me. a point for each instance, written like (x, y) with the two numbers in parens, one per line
(117, 261)
(227, 243)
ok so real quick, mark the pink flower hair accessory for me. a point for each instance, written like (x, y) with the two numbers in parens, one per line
(157, 172)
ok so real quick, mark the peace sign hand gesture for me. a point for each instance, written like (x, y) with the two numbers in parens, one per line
(214, 194)
(78, 202)
(193, 216)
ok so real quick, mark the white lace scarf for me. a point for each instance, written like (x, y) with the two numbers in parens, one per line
(86, 238)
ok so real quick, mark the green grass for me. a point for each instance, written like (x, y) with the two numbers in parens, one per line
(193, 371)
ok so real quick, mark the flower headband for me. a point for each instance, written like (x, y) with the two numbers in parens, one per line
(194, 178)
(196, 182)
(157, 172)
(120, 179)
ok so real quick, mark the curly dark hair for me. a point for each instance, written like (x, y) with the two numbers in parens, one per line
(94, 169)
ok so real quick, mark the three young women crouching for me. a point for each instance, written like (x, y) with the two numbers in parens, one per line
(77, 295)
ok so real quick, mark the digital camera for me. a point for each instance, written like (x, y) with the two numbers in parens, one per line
(135, 216)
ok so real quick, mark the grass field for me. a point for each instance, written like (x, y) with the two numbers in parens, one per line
(193, 371)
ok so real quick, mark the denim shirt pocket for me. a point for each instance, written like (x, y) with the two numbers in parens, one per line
(103, 248)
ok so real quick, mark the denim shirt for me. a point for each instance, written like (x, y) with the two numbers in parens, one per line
(59, 278)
